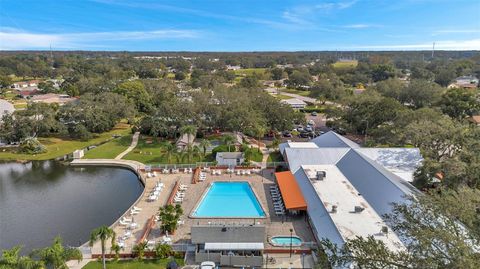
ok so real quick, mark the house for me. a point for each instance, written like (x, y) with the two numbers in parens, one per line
(25, 84)
(5, 108)
(184, 141)
(27, 93)
(343, 184)
(475, 119)
(229, 245)
(230, 158)
(233, 67)
(465, 82)
(294, 103)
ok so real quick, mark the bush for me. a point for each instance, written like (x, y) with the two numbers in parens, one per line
(163, 251)
(32, 146)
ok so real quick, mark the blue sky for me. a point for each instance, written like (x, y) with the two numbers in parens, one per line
(239, 25)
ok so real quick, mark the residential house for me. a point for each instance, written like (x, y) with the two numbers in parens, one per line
(230, 158)
(295, 103)
(25, 84)
(233, 67)
(465, 82)
(185, 140)
(229, 245)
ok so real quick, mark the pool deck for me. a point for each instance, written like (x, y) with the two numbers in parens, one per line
(276, 225)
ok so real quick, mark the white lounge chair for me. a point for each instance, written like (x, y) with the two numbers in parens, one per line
(219, 172)
(239, 172)
(123, 223)
(247, 172)
(137, 208)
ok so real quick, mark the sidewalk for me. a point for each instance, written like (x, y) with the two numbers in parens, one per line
(132, 146)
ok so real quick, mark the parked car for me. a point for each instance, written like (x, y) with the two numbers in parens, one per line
(207, 265)
(314, 113)
(308, 128)
(300, 128)
(287, 134)
(307, 134)
(311, 122)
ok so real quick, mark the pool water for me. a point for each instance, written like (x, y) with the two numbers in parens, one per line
(285, 241)
(229, 200)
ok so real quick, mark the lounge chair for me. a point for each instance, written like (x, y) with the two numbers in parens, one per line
(133, 225)
(165, 171)
(134, 212)
(243, 172)
(219, 172)
(137, 208)
(124, 223)
(247, 172)
(239, 172)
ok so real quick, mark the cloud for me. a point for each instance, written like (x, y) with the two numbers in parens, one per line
(472, 44)
(13, 39)
(332, 5)
(360, 26)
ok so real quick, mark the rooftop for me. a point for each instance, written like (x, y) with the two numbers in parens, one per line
(336, 190)
(230, 155)
(293, 101)
(291, 193)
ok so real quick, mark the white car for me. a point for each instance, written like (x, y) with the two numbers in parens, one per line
(207, 265)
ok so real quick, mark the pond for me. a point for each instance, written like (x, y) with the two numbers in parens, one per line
(42, 199)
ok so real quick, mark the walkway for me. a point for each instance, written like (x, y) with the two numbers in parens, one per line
(132, 146)
(303, 98)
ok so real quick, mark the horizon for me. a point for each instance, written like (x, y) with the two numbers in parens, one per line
(247, 26)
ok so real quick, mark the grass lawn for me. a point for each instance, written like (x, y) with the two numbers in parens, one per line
(282, 97)
(249, 71)
(345, 64)
(133, 264)
(111, 149)
(254, 154)
(20, 105)
(59, 146)
(152, 153)
(275, 157)
(299, 92)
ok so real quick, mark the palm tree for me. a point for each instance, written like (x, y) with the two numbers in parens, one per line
(169, 216)
(189, 130)
(191, 152)
(228, 140)
(139, 250)
(170, 152)
(11, 259)
(204, 144)
(56, 256)
(102, 233)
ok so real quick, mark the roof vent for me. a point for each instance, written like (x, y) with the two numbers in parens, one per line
(321, 175)
(334, 209)
(385, 230)
(358, 209)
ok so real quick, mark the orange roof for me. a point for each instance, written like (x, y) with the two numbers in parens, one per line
(291, 193)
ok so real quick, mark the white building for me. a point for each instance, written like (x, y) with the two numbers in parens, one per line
(230, 158)
(348, 189)
(5, 108)
(295, 103)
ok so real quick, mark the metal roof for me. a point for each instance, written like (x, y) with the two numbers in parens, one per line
(230, 155)
(234, 246)
(333, 140)
(298, 156)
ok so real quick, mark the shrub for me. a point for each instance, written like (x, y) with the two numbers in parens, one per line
(32, 146)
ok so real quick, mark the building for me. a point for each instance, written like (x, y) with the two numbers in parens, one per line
(348, 189)
(295, 103)
(230, 158)
(185, 140)
(465, 82)
(233, 67)
(25, 84)
(229, 245)
(5, 108)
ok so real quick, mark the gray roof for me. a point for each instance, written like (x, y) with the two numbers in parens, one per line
(298, 156)
(230, 155)
(231, 233)
(333, 140)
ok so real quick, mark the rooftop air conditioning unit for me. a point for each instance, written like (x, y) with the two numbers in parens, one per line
(358, 209)
(321, 175)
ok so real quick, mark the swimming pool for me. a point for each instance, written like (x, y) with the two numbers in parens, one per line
(229, 200)
(285, 241)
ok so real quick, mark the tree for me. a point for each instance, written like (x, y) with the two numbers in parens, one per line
(251, 81)
(204, 144)
(169, 216)
(180, 76)
(277, 73)
(460, 103)
(163, 251)
(135, 91)
(421, 93)
(170, 151)
(191, 152)
(441, 230)
(382, 72)
(228, 141)
(103, 233)
(299, 78)
(57, 255)
(139, 250)
(188, 130)
(5, 82)
(11, 259)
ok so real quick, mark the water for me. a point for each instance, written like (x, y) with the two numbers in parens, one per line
(285, 240)
(230, 200)
(40, 200)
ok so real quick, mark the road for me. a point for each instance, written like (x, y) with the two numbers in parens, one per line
(303, 98)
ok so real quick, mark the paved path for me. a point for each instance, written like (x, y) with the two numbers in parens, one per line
(78, 265)
(132, 146)
(303, 98)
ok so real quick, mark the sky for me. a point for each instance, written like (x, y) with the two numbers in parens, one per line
(239, 25)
